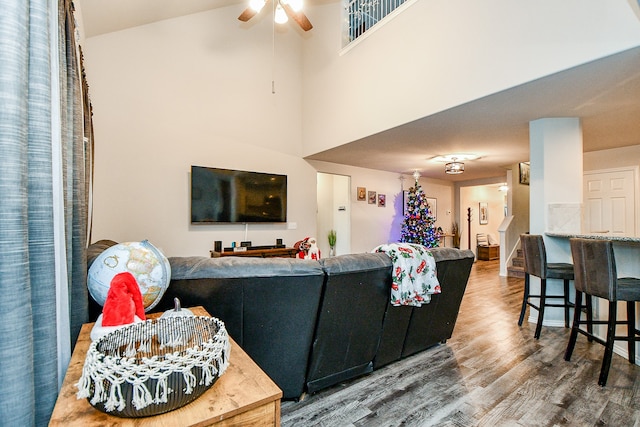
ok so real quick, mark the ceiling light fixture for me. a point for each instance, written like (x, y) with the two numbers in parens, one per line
(282, 11)
(454, 167)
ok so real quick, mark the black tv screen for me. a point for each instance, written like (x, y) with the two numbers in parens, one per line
(225, 195)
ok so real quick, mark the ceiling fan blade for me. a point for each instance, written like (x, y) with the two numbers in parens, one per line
(250, 12)
(247, 14)
(299, 17)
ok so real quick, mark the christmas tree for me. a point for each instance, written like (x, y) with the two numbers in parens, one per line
(418, 226)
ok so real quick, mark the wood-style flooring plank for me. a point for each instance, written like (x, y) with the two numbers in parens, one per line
(490, 373)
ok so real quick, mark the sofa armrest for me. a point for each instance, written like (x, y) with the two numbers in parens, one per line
(450, 254)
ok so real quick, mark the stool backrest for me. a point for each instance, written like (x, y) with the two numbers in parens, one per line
(535, 255)
(594, 267)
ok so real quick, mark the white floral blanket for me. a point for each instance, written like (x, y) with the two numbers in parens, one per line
(414, 273)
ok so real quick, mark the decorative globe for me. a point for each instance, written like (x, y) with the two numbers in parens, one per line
(143, 260)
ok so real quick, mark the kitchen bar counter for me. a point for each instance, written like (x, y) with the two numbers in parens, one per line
(617, 239)
(625, 248)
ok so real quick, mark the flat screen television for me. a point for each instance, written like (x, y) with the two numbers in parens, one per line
(234, 196)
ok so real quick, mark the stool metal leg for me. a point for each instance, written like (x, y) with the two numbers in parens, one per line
(543, 295)
(525, 298)
(631, 325)
(589, 306)
(567, 304)
(574, 329)
(608, 352)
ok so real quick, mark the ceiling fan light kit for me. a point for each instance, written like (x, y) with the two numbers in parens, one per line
(280, 16)
(283, 10)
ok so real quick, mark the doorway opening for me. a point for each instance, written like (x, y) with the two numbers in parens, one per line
(334, 213)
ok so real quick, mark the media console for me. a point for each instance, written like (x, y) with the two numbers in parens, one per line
(257, 251)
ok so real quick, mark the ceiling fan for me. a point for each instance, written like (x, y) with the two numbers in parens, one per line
(283, 10)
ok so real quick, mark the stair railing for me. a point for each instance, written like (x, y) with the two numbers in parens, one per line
(362, 15)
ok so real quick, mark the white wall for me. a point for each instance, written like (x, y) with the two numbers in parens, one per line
(519, 210)
(438, 54)
(195, 90)
(614, 158)
(372, 225)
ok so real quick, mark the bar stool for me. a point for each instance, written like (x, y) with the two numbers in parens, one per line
(596, 275)
(535, 264)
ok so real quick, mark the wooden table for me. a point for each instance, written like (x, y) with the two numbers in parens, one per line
(443, 239)
(243, 395)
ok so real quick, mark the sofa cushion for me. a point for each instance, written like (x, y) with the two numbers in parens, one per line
(240, 267)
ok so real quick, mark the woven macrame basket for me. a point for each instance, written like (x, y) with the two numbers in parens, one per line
(155, 366)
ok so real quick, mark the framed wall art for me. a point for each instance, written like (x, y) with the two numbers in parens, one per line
(382, 200)
(372, 197)
(362, 194)
(525, 170)
(483, 215)
(433, 207)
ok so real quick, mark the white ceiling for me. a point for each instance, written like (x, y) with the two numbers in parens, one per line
(605, 94)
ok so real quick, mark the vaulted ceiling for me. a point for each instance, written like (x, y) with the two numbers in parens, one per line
(605, 94)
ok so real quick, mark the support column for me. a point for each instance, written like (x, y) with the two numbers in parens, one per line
(555, 193)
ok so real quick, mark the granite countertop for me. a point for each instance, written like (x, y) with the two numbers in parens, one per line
(617, 239)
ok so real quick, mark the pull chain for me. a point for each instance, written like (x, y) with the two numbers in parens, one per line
(273, 49)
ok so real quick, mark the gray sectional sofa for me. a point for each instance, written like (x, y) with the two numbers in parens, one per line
(312, 324)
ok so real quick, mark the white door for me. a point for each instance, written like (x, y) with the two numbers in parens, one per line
(609, 202)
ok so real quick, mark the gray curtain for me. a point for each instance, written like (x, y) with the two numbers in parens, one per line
(77, 152)
(29, 106)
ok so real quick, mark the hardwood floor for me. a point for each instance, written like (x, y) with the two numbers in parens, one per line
(490, 373)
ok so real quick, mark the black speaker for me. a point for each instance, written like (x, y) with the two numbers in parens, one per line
(245, 244)
(217, 246)
(279, 242)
